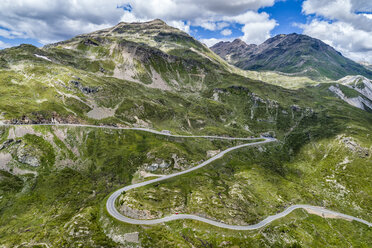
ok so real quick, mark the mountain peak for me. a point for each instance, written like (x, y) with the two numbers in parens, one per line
(293, 37)
(157, 21)
(238, 41)
(133, 30)
(224, 48)
(291, 53)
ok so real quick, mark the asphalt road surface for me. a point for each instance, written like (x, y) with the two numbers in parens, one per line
(110, 204)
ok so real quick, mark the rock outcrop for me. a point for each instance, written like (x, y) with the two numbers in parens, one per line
(354, 147)
(84, 89)
(28, 155)
(356, 100)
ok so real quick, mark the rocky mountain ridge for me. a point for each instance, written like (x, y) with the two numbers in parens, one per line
(293, 54)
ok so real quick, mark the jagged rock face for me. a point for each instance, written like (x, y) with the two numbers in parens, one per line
(27, 155)
(154, 33)
(293, 53)
(354, 147)
(83, 89)
(6, 144)
(159, 164)
(358, 91)
(359, 83)
(231, 51)
(355, 100)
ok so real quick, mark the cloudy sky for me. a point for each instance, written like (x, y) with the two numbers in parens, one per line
(343, 24)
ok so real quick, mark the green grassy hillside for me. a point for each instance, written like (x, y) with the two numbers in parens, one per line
(58, 201)
(54, 181)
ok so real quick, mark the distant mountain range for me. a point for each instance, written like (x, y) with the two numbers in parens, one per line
(294, 54)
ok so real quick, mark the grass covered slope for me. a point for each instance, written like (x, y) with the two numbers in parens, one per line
(37, 91)
(54, 180)
(249, 184)
(76, 169)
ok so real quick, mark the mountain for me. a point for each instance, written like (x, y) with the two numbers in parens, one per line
(232, 51)
(361, 94)
(55, 179)
(292, 54)
(146, 53)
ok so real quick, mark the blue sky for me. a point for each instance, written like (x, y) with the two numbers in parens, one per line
(343, 24)
(286, 13)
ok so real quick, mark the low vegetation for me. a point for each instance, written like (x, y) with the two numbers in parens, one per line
(54, 180)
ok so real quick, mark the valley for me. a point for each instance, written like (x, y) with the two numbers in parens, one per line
(139, 135)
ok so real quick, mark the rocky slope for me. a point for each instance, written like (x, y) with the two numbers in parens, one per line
(146, 53)
(293, 54)
(359, 83)
(355, 90)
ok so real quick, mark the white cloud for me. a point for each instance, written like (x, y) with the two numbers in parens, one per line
(226, 32)
(257, 26)
(211, 41)
(130, 17)
(212, 24)
(48, 21)
(353, 43)
(347, 30)
(209, 25)
(180, 25)
(221, 25)
(232, 7)
(193, 9)
(342, 10)
(10, 34)
(256, 33)
(55, 20)
(4, 45)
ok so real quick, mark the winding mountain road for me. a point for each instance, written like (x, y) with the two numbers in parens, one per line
(110, 204)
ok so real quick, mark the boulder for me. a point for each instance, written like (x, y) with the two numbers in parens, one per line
(26, 155)
(164, 165)
(354, 147)
(152, 167)
(6, 144)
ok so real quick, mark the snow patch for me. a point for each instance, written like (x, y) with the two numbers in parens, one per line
(42, 57)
